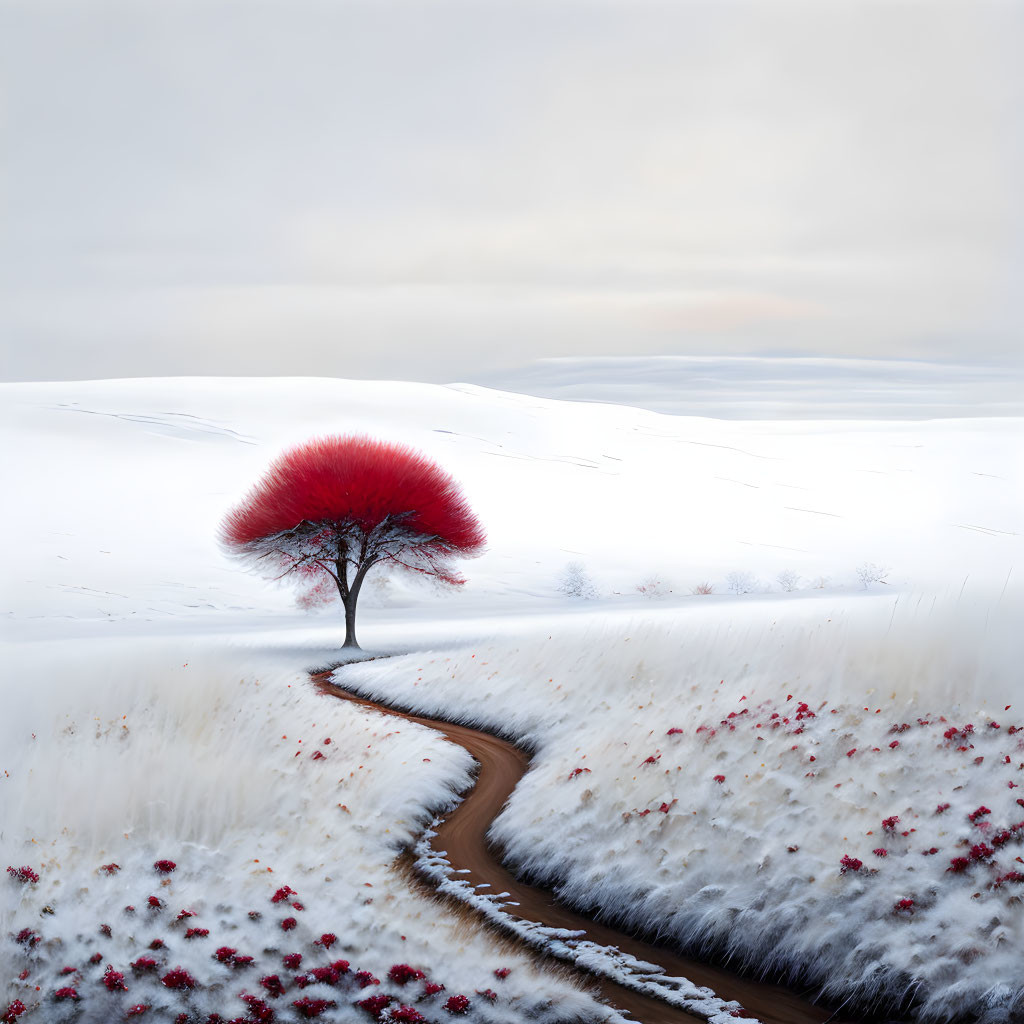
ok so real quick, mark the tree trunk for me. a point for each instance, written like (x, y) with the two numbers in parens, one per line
(349, 601)
(350, 621)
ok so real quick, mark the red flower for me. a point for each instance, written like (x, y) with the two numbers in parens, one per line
(719, 779)
(144, 963)
(889, 824)
(259, 1011)
(577, 771)
(241, 961)
(137, 1010)
(96, 958)
(272, 983)
(905, 904)
(431, 988)
(942, 808)
(326, 940)
(673, 731)
(65, 993)
(288, 924)
(164, 867)
(958, 865)
(653, 759)
(401, 974)
(13, 1012)
(457, 1004)
(979, 813)
(364, 979)
(197, 933)
(290, 960)
(981, 851)
(880, 852)
(407, 1015)
(329, 975)
(489, 994)
(178, 978)
(375, 1005)
(310, 1008)
(1010, 876)
(503, 972)
(849, 864)
(110, 869)
(24, 874)
(157, 944)
(155, 902)
(114, 980)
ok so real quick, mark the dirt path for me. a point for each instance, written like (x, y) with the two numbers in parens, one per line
(463, 834)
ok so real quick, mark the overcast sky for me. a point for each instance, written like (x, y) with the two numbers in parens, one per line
(433, 190)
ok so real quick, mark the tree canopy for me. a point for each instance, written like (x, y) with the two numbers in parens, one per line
(327, 511)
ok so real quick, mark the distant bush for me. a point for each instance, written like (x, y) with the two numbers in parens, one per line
(654, 588)
(788, 580)
(576, 582)
(702, 588)
(741, 582)
(869, 573)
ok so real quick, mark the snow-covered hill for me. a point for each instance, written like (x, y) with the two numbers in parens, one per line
(118, 488)
(114, 591)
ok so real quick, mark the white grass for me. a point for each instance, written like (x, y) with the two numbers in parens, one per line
(714, 869)
(179, 751)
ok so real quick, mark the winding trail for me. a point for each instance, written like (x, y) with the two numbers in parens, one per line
(462, 834)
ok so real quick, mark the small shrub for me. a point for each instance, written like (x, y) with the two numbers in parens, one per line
(699, 589)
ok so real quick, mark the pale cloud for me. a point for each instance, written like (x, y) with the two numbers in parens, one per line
(431, 191)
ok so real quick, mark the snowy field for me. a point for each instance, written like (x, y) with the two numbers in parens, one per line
(154, 696)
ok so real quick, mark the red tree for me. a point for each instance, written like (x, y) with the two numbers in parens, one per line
(329, 510)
